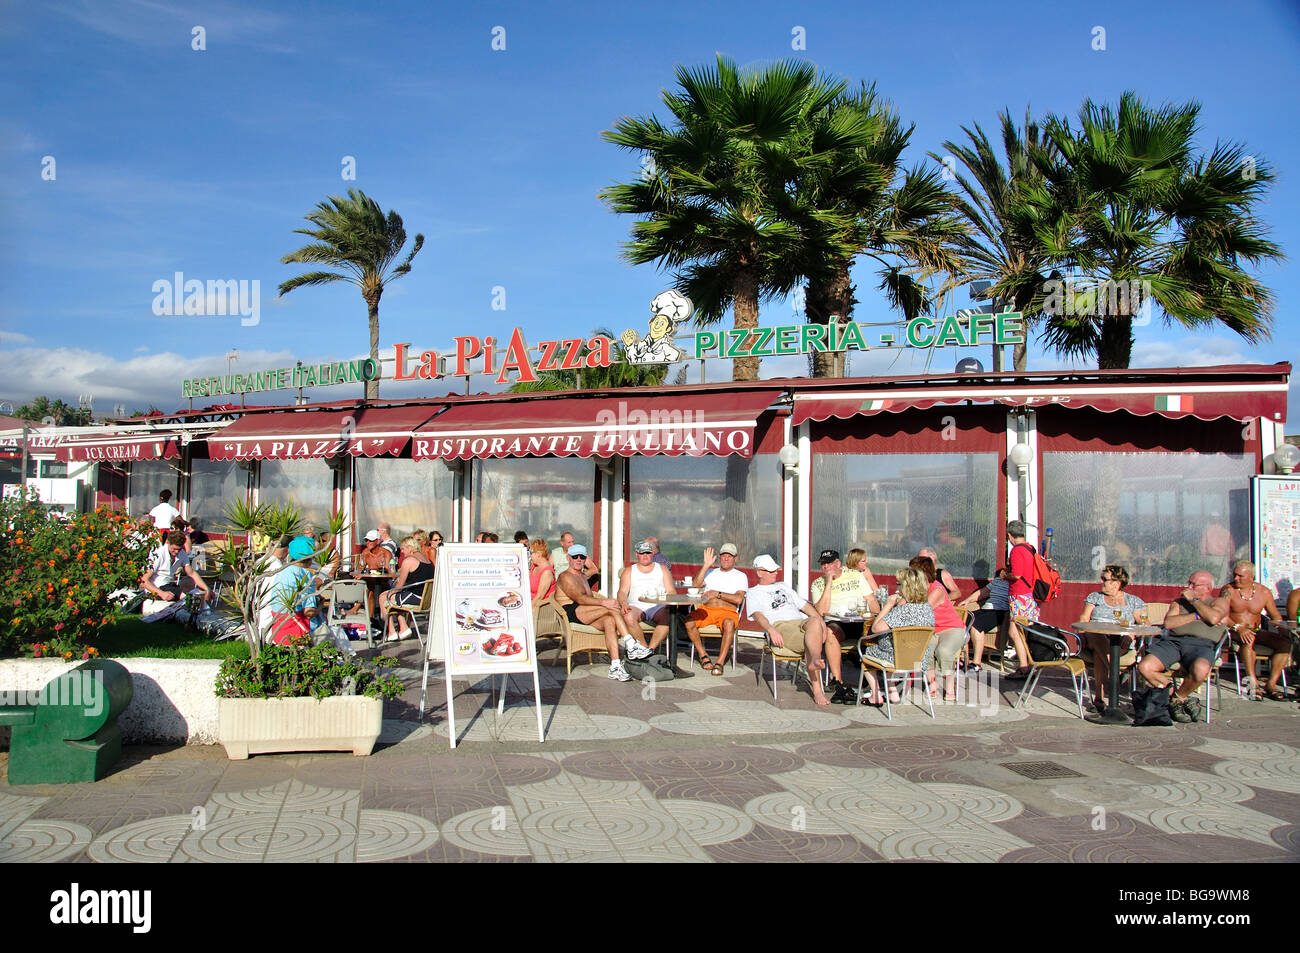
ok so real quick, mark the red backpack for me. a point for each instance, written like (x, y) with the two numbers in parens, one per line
(1047, 581)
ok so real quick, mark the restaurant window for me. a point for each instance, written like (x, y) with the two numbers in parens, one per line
(54, 469)
(214, 484)
(1162, 516)
(694, 502)
(895, 504)
(406, 494)
(148, 479)
(307, 484)
(544, 496)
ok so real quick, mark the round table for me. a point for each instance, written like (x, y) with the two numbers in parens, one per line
(1115, 631)
(679, 607)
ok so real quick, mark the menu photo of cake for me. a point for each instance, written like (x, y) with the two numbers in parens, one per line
(473, 616)
(508, 644)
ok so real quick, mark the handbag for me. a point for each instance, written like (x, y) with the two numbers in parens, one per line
(286, 626)
(1151, 706)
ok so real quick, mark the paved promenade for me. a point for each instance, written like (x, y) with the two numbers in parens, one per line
(700, 769)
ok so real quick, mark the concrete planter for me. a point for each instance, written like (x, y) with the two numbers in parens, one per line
(261, 725)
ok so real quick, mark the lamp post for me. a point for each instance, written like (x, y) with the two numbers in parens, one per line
(978, 288)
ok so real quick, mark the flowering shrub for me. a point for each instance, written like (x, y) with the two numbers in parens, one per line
(56, 574)
(303, 670)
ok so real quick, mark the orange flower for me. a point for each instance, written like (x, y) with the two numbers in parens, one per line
(65, 580)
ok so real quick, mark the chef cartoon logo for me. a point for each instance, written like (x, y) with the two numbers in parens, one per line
(668, 310)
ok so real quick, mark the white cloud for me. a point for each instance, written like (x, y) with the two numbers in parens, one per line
(13, 337)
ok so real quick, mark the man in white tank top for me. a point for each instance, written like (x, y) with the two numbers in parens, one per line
(645, 578)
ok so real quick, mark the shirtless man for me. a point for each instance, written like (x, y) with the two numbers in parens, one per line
(604, 614)
(1248, 603)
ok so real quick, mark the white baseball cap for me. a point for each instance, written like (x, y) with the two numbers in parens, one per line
(766, 563)
(373, 534)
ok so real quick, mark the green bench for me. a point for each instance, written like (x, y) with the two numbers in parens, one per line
(71, 734)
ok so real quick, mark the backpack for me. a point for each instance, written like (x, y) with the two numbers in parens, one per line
(655, 668)
(1047, 643)
(1047, 581)
(1150, 705)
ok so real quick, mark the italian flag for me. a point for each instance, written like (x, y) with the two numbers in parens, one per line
(875, 404)
(1176, 402)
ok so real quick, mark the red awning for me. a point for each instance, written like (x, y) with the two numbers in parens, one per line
(294, 435)
(712, 424)
(118, 448)
(1241, 401)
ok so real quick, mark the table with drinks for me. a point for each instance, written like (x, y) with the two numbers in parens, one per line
(1116, 630)
(679, 607)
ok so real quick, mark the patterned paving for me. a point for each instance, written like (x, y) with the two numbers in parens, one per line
(705, 770)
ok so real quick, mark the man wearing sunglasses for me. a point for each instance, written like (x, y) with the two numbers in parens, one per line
(605, 614)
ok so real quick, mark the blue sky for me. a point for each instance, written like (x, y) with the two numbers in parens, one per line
(172, 159)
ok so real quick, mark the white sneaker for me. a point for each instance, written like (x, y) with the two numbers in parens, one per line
(618, 672)
(635, 650)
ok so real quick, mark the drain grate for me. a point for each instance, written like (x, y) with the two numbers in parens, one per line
(1041, 770)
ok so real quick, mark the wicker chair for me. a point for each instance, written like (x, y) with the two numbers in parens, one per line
(576, 638)
(910, 644)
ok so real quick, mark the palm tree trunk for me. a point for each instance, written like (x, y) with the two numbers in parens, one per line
(745, 307)
(827, 299)
(1115, 348)
(372, 387)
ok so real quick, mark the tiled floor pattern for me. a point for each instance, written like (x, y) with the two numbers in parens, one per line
(701, 769)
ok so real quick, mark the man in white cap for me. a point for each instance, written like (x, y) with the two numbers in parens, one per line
(374, 556)
(723, 595)
(584, 606)
(778, 609)
(642, 580)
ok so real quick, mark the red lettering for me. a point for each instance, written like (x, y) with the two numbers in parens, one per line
(399, 360)
(467, 349)
(489, 355)
(428, 365)
(547, 363)
(516, 359)
(572, 355)
(598, 352)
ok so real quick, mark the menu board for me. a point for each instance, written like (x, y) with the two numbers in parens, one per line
(482, 619)
(1275, 532)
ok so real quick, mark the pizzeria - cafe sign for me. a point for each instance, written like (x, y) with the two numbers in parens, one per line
(517, 361)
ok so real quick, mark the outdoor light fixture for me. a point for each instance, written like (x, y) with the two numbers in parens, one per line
(338, 463)
(969, 365)
(605, 465)
(789, 457)
(1286, 457)
(454, 464)
(1020, 457)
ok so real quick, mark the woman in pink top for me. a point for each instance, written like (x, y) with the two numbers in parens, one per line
(541, 577)
(949, 630)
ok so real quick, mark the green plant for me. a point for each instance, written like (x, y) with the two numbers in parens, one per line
(252, 571)
(56, 573)
(302, 670)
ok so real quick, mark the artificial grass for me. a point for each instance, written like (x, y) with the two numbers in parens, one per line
(129, 637)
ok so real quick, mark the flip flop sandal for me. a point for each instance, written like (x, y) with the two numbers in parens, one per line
(716, 669)
(1275, 696)
(706, 663)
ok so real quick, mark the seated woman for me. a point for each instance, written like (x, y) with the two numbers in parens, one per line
(541, 577)
(856, 559)
(1112, 604)
(907, 606)
(412, 568)
(991, 606)
(949, 630)
(291, 597)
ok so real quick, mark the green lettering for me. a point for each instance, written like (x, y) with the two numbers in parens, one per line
(981, 324)
(812, 337)
(1009, 329)
(705, 341)
(913, 332)
(281, 378)
(951, 333)
(308, 376)
(760, 345)
(852, 337)
(369, 369)
(785, 339)
(185, 389)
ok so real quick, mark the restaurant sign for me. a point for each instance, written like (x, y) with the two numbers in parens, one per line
(284, 378)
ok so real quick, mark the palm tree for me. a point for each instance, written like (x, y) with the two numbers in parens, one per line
(1003, 206)
(717, 200)
(1132, 206)
(851, 187)
(353, 235)
(618, 374)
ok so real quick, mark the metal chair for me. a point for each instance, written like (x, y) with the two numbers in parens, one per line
(1215, 665)
(910, 645)
(347, 605)
(423, 609)
(713, 631)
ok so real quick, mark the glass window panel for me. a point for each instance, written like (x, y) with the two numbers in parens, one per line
(307, 484)
(213, 485)
(406, 494)
(543, 496)
(694, 502)
(908, 501)
(148, 479)
(58, 469)
(1192, 513)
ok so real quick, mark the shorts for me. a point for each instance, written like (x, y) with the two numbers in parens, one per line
(407, 597)
(792, 634)
(1183, 649)
(713, 615)
(650, 612)
(571, 610)
(1279, 642)
(988, 620)
(1024, 607)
